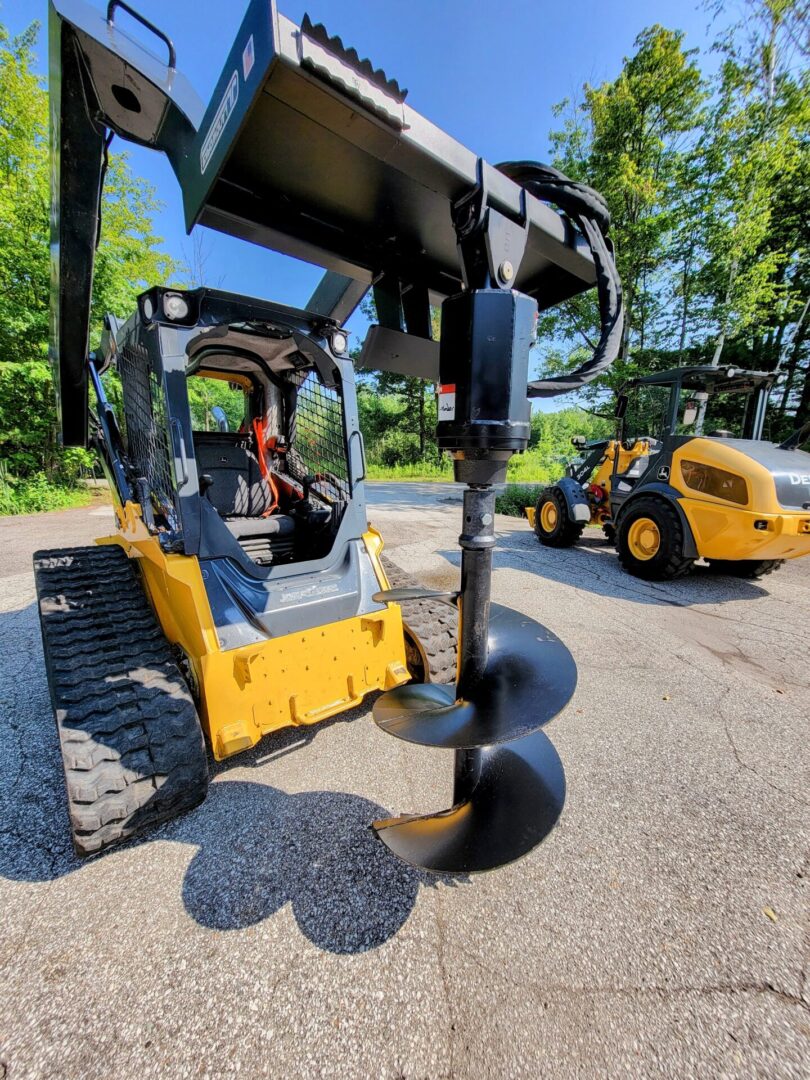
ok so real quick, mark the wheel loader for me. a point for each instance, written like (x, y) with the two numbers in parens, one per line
(698, 481)
(242, 590)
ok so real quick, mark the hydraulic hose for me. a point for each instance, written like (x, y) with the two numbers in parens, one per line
(589, 212)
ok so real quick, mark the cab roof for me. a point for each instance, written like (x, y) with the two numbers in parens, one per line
(726, 380)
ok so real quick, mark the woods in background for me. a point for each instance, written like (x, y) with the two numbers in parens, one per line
(704, 161)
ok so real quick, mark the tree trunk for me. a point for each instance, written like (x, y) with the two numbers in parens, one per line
(421, 419)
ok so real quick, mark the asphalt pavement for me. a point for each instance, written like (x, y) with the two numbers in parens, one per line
(661, 930)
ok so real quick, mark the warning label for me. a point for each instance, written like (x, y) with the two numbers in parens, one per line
(447, 401)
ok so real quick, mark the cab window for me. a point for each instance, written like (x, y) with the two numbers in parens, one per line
(218, 404)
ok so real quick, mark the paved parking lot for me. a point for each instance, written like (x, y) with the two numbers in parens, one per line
(660, 931)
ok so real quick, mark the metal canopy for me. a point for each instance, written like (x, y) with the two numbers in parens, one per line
(304, 148)
(706, 377)
(307, 155)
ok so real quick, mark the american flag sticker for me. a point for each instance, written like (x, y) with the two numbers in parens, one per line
(447, 401)
(248, 56)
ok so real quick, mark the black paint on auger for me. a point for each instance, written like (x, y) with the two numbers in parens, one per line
(509, 785)
(513, 675)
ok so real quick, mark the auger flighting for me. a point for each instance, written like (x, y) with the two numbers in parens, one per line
(514, 675)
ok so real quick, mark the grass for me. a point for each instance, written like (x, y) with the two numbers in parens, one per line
(420, 470)
(528, 468)
(36, 494)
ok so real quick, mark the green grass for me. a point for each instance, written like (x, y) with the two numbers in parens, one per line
(420, 470)
(528, 468)
(36, 494)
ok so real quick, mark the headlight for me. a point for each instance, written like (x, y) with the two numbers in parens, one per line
(339, 342)
(174, 306)
(713, 481)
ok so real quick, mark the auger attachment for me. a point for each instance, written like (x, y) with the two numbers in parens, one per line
(513, 674)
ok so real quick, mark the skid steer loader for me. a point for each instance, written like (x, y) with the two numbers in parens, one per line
(670, 495)
(243, 589)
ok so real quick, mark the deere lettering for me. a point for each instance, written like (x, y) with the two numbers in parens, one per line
(799, 478)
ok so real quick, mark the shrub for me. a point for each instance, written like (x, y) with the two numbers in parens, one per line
(516, 498)
(398, 448)
(37, 493)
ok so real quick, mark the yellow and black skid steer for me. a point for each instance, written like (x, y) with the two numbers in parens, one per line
(242, 590)
(688, 476)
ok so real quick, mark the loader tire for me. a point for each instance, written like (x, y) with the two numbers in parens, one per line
(132, 747)
(664, 558)
(553, 525)
(748, 569)
(431, 632)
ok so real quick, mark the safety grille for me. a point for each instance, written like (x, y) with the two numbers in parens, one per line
(317, 442)
(146, 430)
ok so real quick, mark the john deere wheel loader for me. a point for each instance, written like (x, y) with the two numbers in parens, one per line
(242, 590)
(671, 495)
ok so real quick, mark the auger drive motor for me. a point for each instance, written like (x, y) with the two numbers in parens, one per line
(243, 590)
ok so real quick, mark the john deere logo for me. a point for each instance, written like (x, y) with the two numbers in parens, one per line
(663, 472)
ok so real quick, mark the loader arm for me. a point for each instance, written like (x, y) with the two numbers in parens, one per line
(252, 164)
(102, 82)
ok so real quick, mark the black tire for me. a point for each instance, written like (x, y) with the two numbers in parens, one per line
(609, 533)
(669, 562)
(132, 747)
(431, 632)
(565, 531)
(749, 569)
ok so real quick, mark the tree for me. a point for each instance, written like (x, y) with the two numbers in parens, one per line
(127, 260)
(625, 140)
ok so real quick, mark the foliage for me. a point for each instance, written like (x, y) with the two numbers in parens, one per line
(37, 493)
(205, 394)
(515, 498)
(708, 182)
(128, 257)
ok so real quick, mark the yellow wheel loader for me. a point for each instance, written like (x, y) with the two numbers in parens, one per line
(669, 498)
(242, 590)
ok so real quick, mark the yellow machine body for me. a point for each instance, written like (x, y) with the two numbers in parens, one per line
(300, 678)
(754, 526)
(759, 528)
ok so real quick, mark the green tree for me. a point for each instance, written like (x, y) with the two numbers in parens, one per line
(625, 139)
(127, 260)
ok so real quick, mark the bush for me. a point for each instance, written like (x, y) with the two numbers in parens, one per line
(397, 448)
(37, 493)
(516, 498)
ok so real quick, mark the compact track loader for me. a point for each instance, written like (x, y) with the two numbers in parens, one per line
(672, 495)
(243, 589)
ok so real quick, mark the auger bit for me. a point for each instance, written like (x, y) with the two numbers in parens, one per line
(514, 675)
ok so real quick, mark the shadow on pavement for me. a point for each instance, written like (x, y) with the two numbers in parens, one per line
(257, 848)
(592, 565)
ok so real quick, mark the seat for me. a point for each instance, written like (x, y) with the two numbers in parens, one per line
(277, 525)
(238, 489)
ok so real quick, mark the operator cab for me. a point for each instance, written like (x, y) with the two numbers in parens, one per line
(268, 443)
(234, 428)
(712, 402)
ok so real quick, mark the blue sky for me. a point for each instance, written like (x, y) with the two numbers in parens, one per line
(487, 72)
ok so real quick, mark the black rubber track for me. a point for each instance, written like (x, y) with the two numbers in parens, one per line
(433, 624)
(132, 747)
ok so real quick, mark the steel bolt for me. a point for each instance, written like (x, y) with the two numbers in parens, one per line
(507, 271)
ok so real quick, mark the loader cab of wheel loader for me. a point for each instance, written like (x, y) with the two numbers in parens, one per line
(654, 413)
(705, 401)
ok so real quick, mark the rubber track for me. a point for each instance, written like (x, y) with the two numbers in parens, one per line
(434, 624)
(132, 747)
